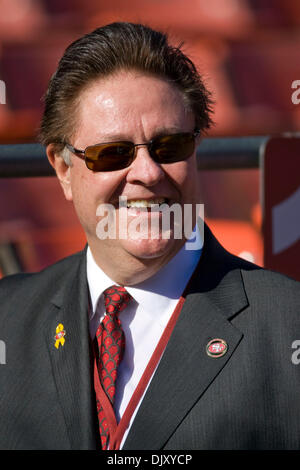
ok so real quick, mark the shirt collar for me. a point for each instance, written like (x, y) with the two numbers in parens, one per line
(156, 293)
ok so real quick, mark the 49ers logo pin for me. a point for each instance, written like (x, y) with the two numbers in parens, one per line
(60, 335)
(216, 347)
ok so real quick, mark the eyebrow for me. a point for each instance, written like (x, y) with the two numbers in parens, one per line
(158, 132)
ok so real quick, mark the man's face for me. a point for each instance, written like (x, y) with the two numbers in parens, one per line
(131, 106)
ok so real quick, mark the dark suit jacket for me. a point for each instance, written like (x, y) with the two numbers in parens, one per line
(247, 399)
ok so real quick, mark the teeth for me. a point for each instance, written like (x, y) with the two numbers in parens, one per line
(145, 203)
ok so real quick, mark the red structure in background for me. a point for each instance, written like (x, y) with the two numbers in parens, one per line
(281, 205)
(248, 51)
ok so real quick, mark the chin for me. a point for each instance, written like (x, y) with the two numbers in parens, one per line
(151, 249)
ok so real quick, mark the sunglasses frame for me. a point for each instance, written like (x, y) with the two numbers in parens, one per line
(82, 153)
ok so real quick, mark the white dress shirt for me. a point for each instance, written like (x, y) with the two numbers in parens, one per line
(143, 320)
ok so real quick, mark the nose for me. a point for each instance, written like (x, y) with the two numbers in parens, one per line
(144, 170)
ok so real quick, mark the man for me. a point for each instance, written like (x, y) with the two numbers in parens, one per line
(139, 341)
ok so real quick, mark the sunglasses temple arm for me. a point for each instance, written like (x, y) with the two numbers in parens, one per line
(78, 153)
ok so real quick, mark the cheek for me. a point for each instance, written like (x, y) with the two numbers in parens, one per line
(89, 187)
(89, 191)
(82, 201)
(79, 186)
(183, 174)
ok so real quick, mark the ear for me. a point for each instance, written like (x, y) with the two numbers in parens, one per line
(62, 170)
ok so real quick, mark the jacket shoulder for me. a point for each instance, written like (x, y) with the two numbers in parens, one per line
(255, 275)
(261, 278)
(271, 290)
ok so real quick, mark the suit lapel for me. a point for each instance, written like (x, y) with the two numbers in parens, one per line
(215, 295)
(185, 370)
(70, 362)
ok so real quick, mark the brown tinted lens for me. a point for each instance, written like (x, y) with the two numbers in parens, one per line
(109, 157)
(172, 148)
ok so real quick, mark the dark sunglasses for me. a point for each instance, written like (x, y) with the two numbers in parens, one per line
(112, 156)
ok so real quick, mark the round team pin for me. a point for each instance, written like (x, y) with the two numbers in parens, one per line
(216, 347)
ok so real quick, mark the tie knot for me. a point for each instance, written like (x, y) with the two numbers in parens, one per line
(116, 298)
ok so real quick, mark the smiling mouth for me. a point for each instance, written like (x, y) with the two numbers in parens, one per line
(144, 204)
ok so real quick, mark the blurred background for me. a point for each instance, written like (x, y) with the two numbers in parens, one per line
(248, 53)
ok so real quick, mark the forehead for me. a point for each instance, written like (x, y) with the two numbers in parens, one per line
(130, 103)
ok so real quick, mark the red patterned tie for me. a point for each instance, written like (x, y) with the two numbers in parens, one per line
(111, 344)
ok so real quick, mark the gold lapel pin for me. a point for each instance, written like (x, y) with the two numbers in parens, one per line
(216, 347)
(60, 335)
